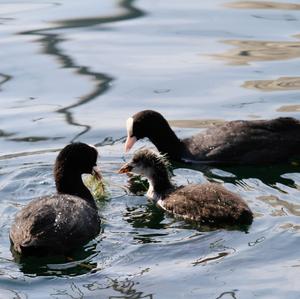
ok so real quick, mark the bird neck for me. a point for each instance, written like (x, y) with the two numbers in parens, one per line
(167, 142)
(72, 184)
(159, 186)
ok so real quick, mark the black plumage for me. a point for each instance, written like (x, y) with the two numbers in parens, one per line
(237, 142)
(59, 223)
(208, 203)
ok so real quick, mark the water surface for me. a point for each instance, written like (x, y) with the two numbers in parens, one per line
(74, 71)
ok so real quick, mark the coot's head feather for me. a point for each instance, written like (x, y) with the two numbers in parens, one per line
(148, 163)
(74, 160)
(151, 158)
(153, 125)
(155, 167)
(76, 157)
(147, 123)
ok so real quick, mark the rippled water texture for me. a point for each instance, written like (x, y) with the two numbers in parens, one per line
(75, 70)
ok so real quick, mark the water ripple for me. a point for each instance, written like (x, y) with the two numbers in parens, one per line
(263, 5)
(289, 108)
(5, 79)
(247, 51)
(282, 83)
(51, 41)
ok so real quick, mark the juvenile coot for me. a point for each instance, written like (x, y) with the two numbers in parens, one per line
(208, 203)
(58, 223)
(239, 142)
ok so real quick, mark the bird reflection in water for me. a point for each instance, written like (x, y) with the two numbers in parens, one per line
(126, 289)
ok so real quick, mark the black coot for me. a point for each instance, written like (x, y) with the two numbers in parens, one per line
(58, 223)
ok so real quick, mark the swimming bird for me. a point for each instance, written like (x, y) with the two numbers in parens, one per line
(235, 142)
(58, 223)
(208, 203)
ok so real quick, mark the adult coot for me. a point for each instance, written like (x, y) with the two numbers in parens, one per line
(58, 223)
(239, 142)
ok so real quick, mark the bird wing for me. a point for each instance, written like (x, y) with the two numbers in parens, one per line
(55, 221)
(247, 140)
(205, 203)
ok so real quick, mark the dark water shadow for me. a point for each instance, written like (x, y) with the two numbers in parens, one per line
(50, 43)
(231, 294)
(117, 288)
(268, 174)
(34, 139)
(128, 290)
(5, 134)
(145, 216)
(76, 263)
(5, 78)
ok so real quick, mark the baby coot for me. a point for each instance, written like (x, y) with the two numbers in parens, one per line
(58, 223)
(238, 142)
(208, 203)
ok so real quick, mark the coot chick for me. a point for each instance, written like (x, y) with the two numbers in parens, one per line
(58, 223)
(208, 203)
(235, 142)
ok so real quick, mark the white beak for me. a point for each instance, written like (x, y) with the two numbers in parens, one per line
(130, 141)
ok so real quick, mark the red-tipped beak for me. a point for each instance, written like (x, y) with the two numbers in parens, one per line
(125, 168)
(130, 141)
(96, 173)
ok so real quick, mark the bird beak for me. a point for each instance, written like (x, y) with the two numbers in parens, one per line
(125, 168)
(130, 141)
(96, 173)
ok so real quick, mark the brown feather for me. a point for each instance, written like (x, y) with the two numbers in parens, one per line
(209, 203)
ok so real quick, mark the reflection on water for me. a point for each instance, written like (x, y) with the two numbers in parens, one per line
(50, 42)
(263, 5)
(123, 288)
(129, 11)
(127, 289)
(4, 79)
(283, 83)
(5, 134)
(141, 216)
(247, 51)
(231, 294)
(74, 291)
(206, 260)
(120, 288)
(196, 123)
(281, 207)
(289, 108)
(77, 263)
(268, 175)
(108, 59)
(290, 226)
(12, 294)
(34, 139)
